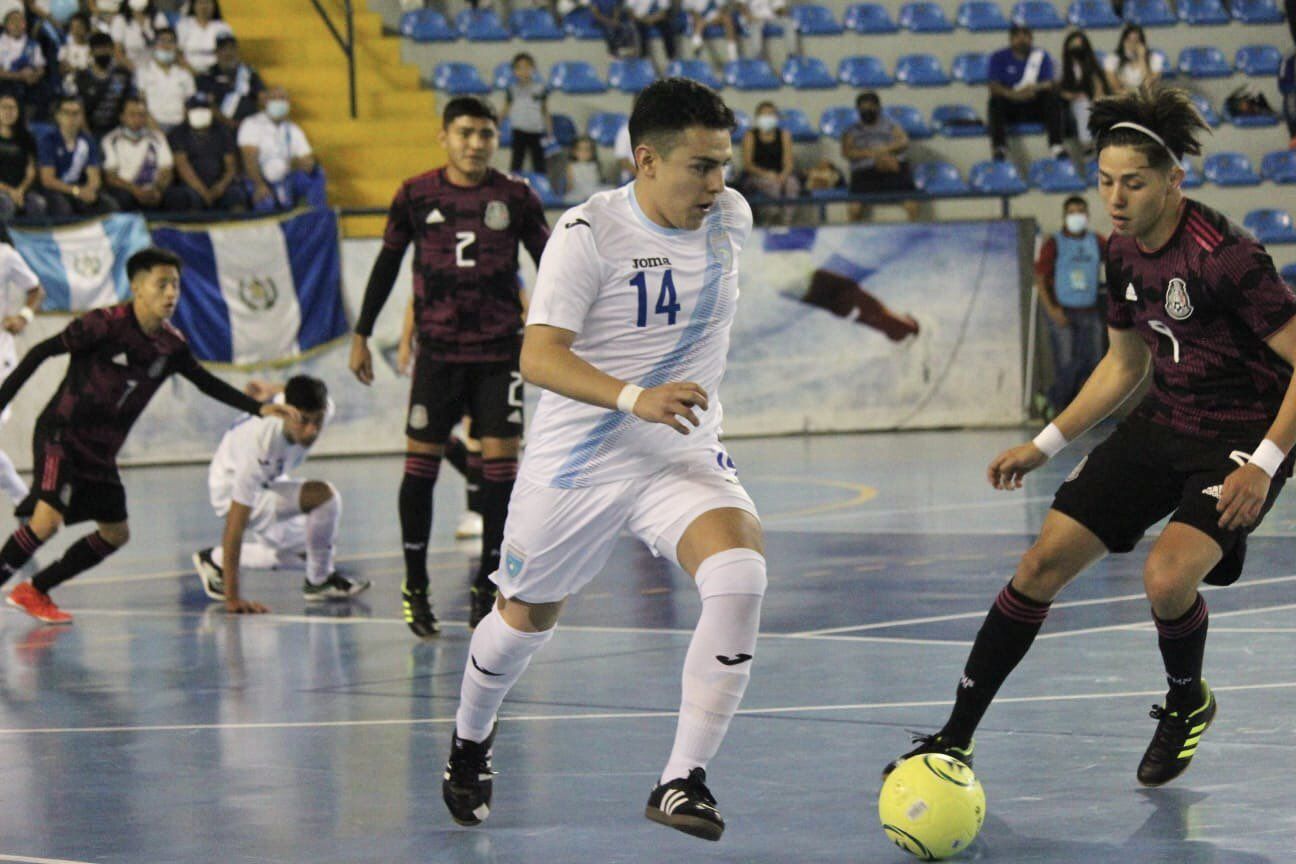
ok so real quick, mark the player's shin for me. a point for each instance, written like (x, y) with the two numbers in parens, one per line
(321, 538)
(79, 557)
(497, 656)
(17, 551)
(1183, 648)
(416, 487)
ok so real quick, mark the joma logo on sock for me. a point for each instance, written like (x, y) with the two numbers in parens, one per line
(966, 683)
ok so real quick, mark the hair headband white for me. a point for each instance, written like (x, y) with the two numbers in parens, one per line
(1149, 133)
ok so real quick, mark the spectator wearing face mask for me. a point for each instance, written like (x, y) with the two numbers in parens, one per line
(768, 165)
(876, 148)
(281, 168)
(136, 30)
(235, 87)
(137, 160)
(164, 83)
(206, 162)
(22, 63)
(104, 87)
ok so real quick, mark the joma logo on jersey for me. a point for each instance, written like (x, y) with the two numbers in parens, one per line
(647, 263)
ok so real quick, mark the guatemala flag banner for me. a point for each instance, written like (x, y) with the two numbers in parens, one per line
(83, 266)
(258, 291)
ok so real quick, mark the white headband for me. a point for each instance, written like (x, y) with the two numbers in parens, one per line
(1149, 133)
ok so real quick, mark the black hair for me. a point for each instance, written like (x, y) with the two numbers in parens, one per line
(761, 106)
(1167, 111)
(83, 17)
(65, 99)
(869, 95)
(1091, 79)
(100, 39)
(131, 98)
(162, 31)
(668, 106)
(1018, 27)
(216, 10)
(522, 55)
(1120, 43)
(1074, 199)
(467, 106)
(306, 393)
(148, 258)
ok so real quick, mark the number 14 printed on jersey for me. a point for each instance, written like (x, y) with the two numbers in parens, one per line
(667, 302)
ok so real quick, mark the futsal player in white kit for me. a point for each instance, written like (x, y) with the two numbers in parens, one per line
(20, 297)
(273, 520)
(627, 335)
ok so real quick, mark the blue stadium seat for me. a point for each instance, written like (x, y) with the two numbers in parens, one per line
(980, 16)
(869, 19)
(795, 121)
(742, 122)
(1168, 69)
(1258, 61)
(807, 73)
(1204, 61)
(924, 16)
(1249, 121)
(1256, 11)
(481, 25)
(427, 25)
(697, 70)
(1091, 172)
(458, 79)
(1093, 15)
(811, 19)
(1029, 128)
(506, 131)
(502, 77)
(939, 178)
(1270, 226)
(631, 75)
(958, 121)
(750, 75)
(1289, 274)
(1192, 177)
(1038, 15)
(1230, 169)
(540, 183)
(996, 178)
(575, 76)
(1055, 175)
(1203, 13)
(603, 127)
(564, 129)
(535, 25)
(580, 24)
(920, 70)
(1206, 109)
(972, 67)
(1150, 13)
(836, 120)
(862, 71)
(1279, 166)
(910, 120)
(770, 30)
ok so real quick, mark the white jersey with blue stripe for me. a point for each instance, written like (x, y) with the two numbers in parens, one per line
(649, 305)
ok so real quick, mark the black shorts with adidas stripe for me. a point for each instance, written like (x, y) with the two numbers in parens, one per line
(1145, 472)
(442, 392)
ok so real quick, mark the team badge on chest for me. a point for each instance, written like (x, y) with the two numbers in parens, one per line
(497, 215)
(1177, 304)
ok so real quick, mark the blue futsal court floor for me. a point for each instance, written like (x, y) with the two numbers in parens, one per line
(156, 729)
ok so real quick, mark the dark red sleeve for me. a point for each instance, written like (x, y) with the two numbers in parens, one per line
(1046, 262)
(85, 332)
(398, 233)
(535, 228)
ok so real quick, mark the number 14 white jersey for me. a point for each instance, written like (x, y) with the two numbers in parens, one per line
(650, 305)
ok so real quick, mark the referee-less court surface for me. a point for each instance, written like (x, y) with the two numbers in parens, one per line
(157, 729)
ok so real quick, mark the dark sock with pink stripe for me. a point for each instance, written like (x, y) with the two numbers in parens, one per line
(1183, 647)
(79, 557)
(19, 549)
(416, 487)
(1002, 642)
(496, 486)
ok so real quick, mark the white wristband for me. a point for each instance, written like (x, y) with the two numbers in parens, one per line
(1050, 441)
(627, 398)
(1268, 457)
(26, 314)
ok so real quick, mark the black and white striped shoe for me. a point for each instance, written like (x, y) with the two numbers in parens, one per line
(686, 804)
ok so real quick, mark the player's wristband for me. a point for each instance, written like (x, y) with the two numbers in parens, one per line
(1050, 441)
(628, 397)
(26, 314)
(1267, 457)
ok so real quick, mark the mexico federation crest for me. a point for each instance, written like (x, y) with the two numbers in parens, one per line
(1177, 304)
(497, 215)
(88, 265)
(258, 293)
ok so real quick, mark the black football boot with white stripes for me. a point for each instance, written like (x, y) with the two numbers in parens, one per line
(686, 804)
(468, 780)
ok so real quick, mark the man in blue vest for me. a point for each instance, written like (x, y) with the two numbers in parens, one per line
(1067, 276)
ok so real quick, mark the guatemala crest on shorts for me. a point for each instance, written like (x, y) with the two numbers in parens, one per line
(1177, 304)
(513, 561)
(497, 215)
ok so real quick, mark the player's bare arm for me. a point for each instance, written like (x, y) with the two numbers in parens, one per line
(232, 544)
(549, 362)
(17, 323)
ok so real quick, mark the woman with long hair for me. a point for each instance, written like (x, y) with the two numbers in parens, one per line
(1083, 81)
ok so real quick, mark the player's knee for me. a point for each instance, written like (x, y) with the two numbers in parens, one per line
(117, 535)
(1038, 575)
(317, 493)
(1168, 582)
(733, 571)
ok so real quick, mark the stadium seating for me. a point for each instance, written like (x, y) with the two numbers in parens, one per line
(540, 183)
(794, 120)
(427, 25)
(1271, 226)
(750, 75)
(1289, 274)
(1230, 169)
(836, 120)
(580, 24)
(981, 16)
(1055, 175)
(807, 73)
(631, 75)
(1258, 61)
(870, 19)
(863, 72)
(742, 122)
(1092, 15)
(810, 19)
(924, 16)
(603, 127)
(698, 70)
(1249, 121)
(971, 67)
(564, 129)
(939, 178)
(921, 70)
(996, 178)
(1204, 107)
(1150, 13)
(910, 119)
(958, 121)
(1203, 13)
(506, 132)
(1192, 177)
(1038, 15)
(1256, 11)
(575, 76)
(1279, 166)
(535, 25)
(459, 79)
(1204, 61)
(481, 25)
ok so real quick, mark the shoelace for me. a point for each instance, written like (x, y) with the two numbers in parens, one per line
(699, 790)
(467, 766)
(1171, 725)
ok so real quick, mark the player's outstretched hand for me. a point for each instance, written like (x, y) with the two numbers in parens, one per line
(361, 360)
(1242, 497)
(239, 606)
(1010, 466)
(262, 391)
(670, 402)
(284, 411)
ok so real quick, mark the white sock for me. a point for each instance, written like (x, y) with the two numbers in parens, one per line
(321, 535)
(252, 556)
(10, 483)
(504, 653)
(732, 584)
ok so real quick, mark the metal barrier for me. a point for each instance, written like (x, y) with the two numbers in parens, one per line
(347, 45)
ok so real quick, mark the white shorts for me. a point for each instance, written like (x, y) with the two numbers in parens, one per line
(277, 519)
(557, 540)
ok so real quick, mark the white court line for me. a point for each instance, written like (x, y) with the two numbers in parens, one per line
(909, 511)
(1142, 625)
(609, 715)
(27, 859)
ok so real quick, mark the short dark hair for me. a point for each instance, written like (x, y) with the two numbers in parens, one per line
(1018, 27)
(868, 95)
(522, 55)
(83, 17)
(164, 31)
(1167, 111)
(148, 258)
(668, 106)
(99, 39)
(132, 98)
(65, 99)
(306, 393)
(1074, 199)
(467, 106)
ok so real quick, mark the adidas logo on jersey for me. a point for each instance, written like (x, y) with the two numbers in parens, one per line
(121, 359)
(435, 217)
(1214, 491)
(515, 416)
(1130, 293)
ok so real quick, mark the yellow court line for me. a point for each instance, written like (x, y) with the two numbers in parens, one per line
(863, 494)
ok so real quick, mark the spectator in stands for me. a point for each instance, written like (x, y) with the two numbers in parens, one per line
(135, 32)
(104, 87)
(707, 13)
(137, 160)
(17, 164)
(769, 166)
(74, 56)
(69, 163)
(22, 63)
(584, 175)
(235, 87)
(164, 84)
(624, 155)
(614, 19)
(758, 13)
(1083, 81)
(206, 162)
(653, 16)
(198, 32)
(876, 148)
(1287, 89)
(824, 175)
(528, 114)
(1022, 90)
(280, 166)
(1132, 64)
(102, 15)
(1067, 277)
(42, 30)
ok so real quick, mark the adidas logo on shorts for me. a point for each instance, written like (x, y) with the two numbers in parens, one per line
(1214, 491)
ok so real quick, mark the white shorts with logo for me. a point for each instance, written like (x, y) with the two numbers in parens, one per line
(557, 540)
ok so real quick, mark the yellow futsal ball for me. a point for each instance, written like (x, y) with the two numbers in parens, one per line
(932, 806)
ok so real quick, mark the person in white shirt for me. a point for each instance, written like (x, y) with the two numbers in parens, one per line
(758, 13)
(627, 334)
(138, 163)
(20, 298)
(74, 55)
(653, 16)
(22, 62)
(281, 168)
(197, 33)
(136, 30)
(274, 521)
(164, 83)
(705, 13)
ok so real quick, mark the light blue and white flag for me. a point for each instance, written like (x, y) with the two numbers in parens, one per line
(83, 266)
(258, 291)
